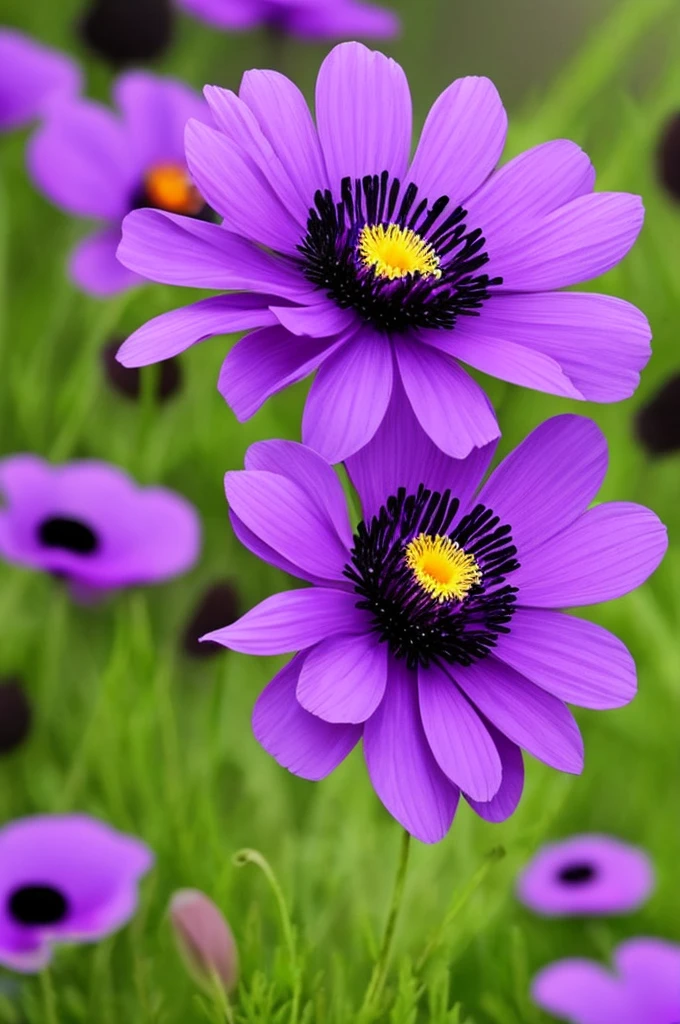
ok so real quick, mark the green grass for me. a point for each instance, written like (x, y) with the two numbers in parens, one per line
(130, 730)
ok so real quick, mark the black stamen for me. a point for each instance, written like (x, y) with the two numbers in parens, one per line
(69, 534)
(37, 905)
(577, 874)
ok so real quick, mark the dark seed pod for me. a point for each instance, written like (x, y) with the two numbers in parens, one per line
(125, 32)
(668, 156)
(15, 715)
(657, 423)
(218, 607)
(128, 380)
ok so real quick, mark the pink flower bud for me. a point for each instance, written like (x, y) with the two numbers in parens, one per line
(204, 938)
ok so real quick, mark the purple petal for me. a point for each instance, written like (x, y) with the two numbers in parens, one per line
(349, 397)
(451, 407)
(608, 551)
(401, 766)
(651, 968)
(363, 112)
(80, 159)
(282, 514)
(237, 15)
(461, 142)
(173, 332)
(302, 743)
(402, 455)
(33, 77)
(581, 991)
(458, 738)
(342, 21)
(344, 678)
(575, 660)
(267, 361)
(155, 111)
(291, 621)
(527, 715)
(548, 481)
(94, 268)
(505, 802)
(322, 320)
(267, 553)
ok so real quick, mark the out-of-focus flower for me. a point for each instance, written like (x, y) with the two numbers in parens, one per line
(310, 19)
(644, 987)
(94, 163)
(668, 156)
(128, 31)
(16, 715)
(126, 380)
(32, 77)
(371, 267)
(432, 631)
(64, 878)
(204, 939)
(657, 424)
(92, 524)
(218, 606)
(586, 875)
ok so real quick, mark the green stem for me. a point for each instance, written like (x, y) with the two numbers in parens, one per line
(379, 975)
(49, 998)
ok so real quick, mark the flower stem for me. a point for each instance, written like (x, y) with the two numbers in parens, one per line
(379, 975)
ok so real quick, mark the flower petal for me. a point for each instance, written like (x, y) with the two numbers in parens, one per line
(363, 112)
(322, 320)
(458, 738)
(577, 661)
(291, 621)
(93, 265)
(401, 766)
(155, 112)
(300, 742)
(582, 991)
(34, 77)
(505, 802)
(605, 553)
(343, 679)
(341, 21)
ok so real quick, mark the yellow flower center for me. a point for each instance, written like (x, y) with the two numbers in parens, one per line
(396, 252)
(169, 187)
(441, 567)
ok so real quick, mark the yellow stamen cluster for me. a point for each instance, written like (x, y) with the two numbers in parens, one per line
(169, 187)
(441, 567)
(396, 252)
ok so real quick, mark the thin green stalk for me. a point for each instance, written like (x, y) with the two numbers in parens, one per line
(49, 998)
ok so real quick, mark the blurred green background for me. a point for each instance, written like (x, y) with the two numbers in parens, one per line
(130, 729)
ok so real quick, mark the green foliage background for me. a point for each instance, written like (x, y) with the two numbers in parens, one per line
(130, 730)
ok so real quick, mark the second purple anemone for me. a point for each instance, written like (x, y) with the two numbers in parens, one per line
(91, 524)
(431, 629)
(32, 77)
(369, 266)
(586, 875)
(97, 164)
(309, 19)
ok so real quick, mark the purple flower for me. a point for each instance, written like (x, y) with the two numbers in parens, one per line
(90, 523)
(94, 163)
(369, 267)
(32, 77)
(589, 874)
(311, 19)
(644, 988)
(430, 630)
(64, 878)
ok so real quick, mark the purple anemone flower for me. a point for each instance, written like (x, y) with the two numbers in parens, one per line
(643, 989)
(90, 523)
(94, 163)
(430, 629)
(310, 19)
(370, 267)
(589, 874)
(64, 878)
(32, 77)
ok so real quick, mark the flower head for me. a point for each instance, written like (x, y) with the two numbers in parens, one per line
(94, 163)
(204, 938)
(310, 19)
(372, 268)
(644, 987)
(64, 878)
(32, 77)
(431, 629)
(589, 874)
(90, 523)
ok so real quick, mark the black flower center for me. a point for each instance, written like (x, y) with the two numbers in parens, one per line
(401, 262)
(37, 905)
(434, 591)
(577, 874)
(69, 534)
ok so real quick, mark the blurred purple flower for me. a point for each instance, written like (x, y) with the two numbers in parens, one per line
(644, 988)
(311, 19)
(32, 77)
(64, 878)
(586, 875)
(370, 267)
(16, 714)
(205, 939)
(432, 631)
(657, 423)
(92, 524)
(92, 162)
(125, 32)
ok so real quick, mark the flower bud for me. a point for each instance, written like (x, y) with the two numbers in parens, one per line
(204, 939)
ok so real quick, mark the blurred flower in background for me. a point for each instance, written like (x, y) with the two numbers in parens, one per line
(218, 607)
(94, 163)
(64, 878)
(204, 939)
(16, 715)
(668, 156)
(643, 988)
(32, 77)
(127, 381)
(126, 32)
(586, 875)
(657, 424)
(312, 19)
(90, 523)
